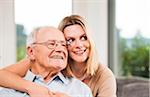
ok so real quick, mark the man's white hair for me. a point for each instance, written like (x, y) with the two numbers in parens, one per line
(32, 37)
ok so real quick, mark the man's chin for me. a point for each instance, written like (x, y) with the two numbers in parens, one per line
(59, 67)
(59, 64)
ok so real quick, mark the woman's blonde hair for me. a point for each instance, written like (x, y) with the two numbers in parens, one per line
(92, 61)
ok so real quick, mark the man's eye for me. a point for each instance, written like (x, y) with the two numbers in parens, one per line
(51, 43)
(63, 44)
(84, 37)
(69, 41)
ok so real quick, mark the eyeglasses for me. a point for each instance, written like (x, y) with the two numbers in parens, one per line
(51, 44)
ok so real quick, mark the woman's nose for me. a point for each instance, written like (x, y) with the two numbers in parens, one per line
(78, 44)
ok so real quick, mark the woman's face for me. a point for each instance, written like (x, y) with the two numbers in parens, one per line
(78, 44)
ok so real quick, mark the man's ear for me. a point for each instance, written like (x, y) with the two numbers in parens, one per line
(30, 53)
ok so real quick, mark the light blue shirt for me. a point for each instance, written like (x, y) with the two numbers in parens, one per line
(70, 86)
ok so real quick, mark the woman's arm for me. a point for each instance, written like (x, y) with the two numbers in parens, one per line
(10, 76)
(14, 81)
(19, 68)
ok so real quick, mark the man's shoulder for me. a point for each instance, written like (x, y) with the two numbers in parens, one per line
(79, 85)
(78, 82)
(7, 92)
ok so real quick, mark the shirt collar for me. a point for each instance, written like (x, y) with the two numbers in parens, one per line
(31, 77)
(63, 78)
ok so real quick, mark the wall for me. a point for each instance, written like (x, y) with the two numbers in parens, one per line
(95, 12)
(7, 33)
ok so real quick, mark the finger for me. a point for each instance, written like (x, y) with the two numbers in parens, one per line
(51, 93)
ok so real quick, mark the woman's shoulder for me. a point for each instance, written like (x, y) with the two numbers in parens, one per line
(104, 80)
(103, 74)
(103, 71)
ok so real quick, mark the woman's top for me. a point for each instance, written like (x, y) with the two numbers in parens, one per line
(102, 83)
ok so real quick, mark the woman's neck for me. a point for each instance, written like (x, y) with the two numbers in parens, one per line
(78, 70)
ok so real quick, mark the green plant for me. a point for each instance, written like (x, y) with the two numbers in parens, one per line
(21, 42)
(135, 56)
(21, 52)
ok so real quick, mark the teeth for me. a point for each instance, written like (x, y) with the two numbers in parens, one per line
(80, 52)
(57, 57)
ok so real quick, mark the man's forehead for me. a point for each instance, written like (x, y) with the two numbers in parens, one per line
(48, 29)
(50, 33)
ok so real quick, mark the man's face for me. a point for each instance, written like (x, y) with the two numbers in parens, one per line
(50, 49)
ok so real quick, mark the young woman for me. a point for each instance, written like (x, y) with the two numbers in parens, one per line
(83, 61)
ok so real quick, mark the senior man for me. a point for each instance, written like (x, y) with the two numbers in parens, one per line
(46, 47)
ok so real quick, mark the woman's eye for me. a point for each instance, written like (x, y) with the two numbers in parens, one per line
(69, 41)
(84, 37)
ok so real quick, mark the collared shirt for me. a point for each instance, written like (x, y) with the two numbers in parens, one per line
(70, 86)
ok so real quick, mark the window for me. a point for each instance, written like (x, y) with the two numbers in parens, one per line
(130, 37)
(34, 13)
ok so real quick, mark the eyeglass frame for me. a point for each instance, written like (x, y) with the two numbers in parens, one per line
(54, 42)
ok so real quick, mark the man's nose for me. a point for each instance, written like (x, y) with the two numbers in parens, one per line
(59, 47)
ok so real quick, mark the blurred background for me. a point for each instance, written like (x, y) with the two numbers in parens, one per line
(120, 29)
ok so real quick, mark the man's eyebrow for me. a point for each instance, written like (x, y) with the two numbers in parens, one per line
(62, 40)
(51, 40)
(57, 40)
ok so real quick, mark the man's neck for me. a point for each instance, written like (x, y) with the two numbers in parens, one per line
(46, 73)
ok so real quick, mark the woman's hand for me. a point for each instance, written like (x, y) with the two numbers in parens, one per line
(35, 90)
(58, 94)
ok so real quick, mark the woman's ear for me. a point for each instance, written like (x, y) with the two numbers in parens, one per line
(30, 53)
